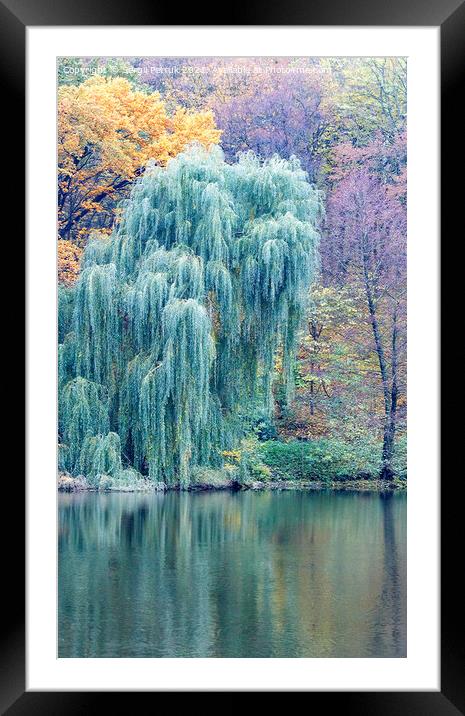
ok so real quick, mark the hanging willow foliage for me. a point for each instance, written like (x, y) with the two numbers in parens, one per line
(83, 412)
(176, 318)
(100, 455)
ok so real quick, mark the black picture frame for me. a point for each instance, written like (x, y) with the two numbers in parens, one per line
(15, 17)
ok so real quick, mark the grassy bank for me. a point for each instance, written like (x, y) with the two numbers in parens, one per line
(328, 461)
(273, 465)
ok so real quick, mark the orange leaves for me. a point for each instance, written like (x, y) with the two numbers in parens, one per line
(120, 128)
(182, 129)
(107, 132)
(69, 257)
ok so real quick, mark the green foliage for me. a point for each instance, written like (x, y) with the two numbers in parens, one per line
(65, 310)
(265, 429)
(63, 460)
(213, 478)
(66, 359)
(97, 323)
(178, 316)
(174, 393)
(83, 413)
(325, 459)
(125, 480)
(246, 461)
(100, 454)
(400, 458)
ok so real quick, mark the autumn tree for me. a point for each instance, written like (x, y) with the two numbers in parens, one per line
(337, 376)
(69, 257)
(107, 132)
(367, 229)
(369, 96)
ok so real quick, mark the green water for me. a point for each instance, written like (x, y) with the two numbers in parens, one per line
(223, 574)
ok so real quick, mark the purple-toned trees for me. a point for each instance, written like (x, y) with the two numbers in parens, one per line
(281, 114)
(267, 105)
(366, 245)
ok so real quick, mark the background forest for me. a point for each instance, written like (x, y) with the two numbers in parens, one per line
(327, 367)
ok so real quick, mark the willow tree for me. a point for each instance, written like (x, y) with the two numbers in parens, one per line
(176, 319)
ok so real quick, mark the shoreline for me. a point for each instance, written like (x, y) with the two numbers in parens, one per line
(76, 485)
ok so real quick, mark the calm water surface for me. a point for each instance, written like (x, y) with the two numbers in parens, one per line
(222, 574)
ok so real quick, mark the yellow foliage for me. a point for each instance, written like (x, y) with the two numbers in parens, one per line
(69, 257)
(107, 132)
(232, 455)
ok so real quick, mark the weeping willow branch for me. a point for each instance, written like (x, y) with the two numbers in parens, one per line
(176, 318)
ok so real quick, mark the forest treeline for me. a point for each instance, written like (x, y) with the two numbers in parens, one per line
(339, 409)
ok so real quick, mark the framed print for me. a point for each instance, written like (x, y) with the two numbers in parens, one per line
(233, 355)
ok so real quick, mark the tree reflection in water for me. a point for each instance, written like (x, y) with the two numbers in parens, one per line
(222, 574)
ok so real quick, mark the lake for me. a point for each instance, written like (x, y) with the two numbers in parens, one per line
(232, 574)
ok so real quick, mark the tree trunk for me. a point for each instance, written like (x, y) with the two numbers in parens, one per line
(387, 472)
(312, 397)
(389, 387)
